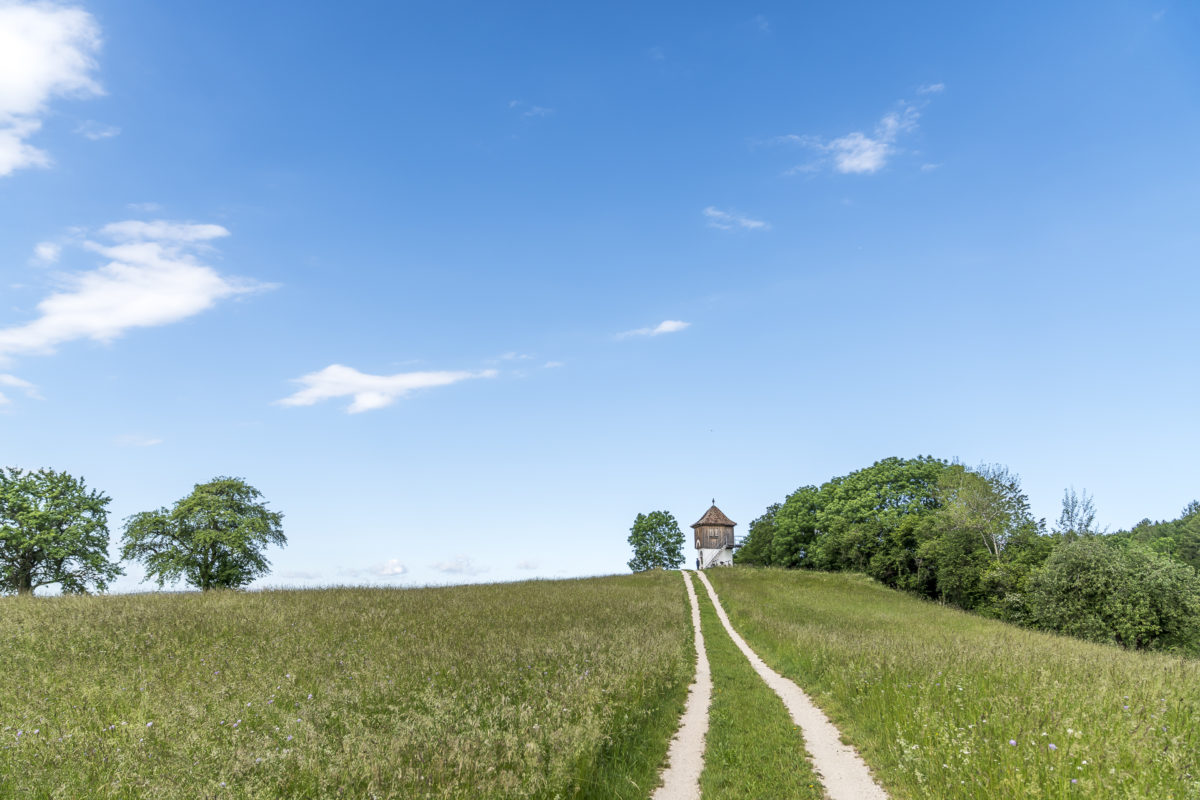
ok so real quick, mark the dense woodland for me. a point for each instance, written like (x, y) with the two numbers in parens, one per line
(965, 536)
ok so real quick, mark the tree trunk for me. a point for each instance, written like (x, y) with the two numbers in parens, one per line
(25, 585)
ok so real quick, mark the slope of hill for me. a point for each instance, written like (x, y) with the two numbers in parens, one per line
(540, 689)
(946, 704)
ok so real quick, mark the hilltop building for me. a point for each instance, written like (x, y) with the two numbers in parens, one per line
(715, 541)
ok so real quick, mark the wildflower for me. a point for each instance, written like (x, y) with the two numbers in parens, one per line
(1013, 742)
(289, 738)
(149, 724)
(1052, 747)
(1074, 780)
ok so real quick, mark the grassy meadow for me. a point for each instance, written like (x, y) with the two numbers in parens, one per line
(543, 689)
(945, 704)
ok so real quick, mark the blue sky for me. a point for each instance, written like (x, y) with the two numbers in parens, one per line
(462, 288)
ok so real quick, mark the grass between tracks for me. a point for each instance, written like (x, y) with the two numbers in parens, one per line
(754, 750)
(945, 704)
(541, 689)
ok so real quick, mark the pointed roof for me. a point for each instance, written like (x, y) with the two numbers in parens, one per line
(714, 516)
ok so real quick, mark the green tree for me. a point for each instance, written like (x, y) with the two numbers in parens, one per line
(214, 538)
(52, 531)
(756, 549)
(1078, 517)
(657, 542)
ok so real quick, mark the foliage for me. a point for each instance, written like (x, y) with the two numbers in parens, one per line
(943, 704)
(759, 536)
(540, 689)
(213, 538)
(1127, 595)
(657, 542)
(1179, 538)
(52, 531)
(1078, 517)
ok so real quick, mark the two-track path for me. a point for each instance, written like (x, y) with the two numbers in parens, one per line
(842, 771)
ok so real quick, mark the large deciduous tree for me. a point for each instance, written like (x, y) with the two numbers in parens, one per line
(52, 531)
(657, 542)
(214, 538)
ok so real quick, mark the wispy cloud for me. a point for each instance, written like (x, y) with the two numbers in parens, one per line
(527, 565)
(13, 382)
(137, 440)
(859, 153)
(46, 51)
(526, 110)
(97, 130)
(390, 568)
(553, 365)
(153, 276)
(666, 326)
(931, 88)
(459, 565)
(761, 23)
(46, 252)
(370, 391)
(656, 53)
(299, 575)
(732, 220)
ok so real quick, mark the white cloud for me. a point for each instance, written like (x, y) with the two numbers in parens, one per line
(931, 88)
(527, 565)
(146, 208)
(390, 568)
(46, 252)
(731, 220)
(460, 565)
(666, 326)
(137, 440)
(761, 22)
(13, 382)
(553, 365)
(97, 130)
(153, 277)
(370, 391)
(46, 51)
(858, 153)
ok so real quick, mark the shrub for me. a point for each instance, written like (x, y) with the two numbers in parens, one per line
(1128, 595)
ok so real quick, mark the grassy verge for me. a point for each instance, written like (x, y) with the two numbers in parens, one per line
(753, 749)
(949, 705)
(541, 689)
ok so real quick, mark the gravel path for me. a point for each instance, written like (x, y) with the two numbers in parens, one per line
(842, 770)
(685, 759)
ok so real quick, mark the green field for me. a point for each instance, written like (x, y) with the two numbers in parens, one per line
(542, 689)
(944, 704)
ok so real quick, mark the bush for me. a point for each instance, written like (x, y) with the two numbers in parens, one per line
(1127, 595)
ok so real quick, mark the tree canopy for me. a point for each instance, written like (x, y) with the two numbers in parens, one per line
(657, 542)
(214, 538)
(52, 531)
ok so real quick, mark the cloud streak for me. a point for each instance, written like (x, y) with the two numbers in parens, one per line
(732, 220)
(153, 276)
(46, 51)
(13, 382)
(370, 392)
(460, 565)
(666, 326)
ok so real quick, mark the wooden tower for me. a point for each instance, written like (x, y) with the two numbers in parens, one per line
(714, 538)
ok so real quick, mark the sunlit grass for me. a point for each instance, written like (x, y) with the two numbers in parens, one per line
(754, 751)
(944, 704)
(540, 689)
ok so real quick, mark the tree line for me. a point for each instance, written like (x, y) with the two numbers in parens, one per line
(54, 531)
(965, 536)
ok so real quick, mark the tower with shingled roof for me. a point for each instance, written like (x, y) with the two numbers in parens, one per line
(714, 538)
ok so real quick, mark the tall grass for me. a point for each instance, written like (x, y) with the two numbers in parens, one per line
(944, 704)
(540, 689)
